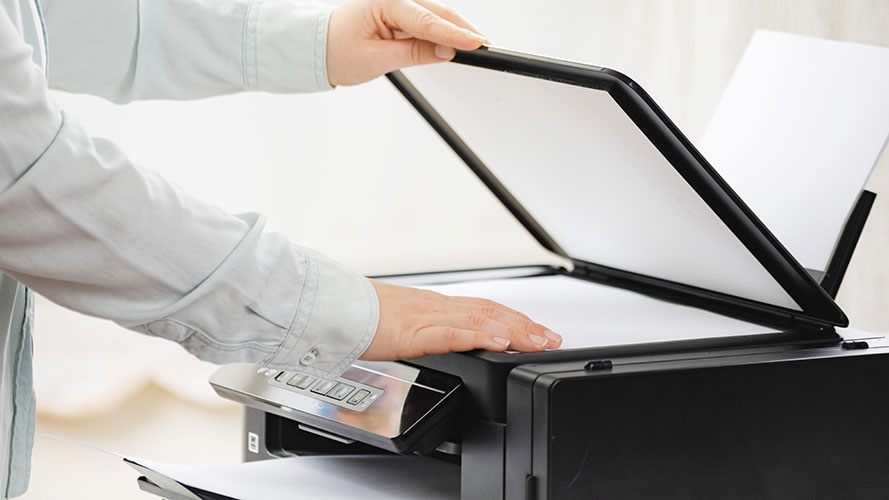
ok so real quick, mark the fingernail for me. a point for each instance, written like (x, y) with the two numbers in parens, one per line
(445, 52)
(477, 37)
(537, 339)
(555, 337)
(502, 341)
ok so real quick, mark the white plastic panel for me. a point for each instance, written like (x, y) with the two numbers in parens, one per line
(595, 183)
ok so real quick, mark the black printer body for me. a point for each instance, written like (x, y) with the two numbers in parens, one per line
(799, 410)
(786, 421)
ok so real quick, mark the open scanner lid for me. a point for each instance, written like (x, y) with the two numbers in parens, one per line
(593, 168)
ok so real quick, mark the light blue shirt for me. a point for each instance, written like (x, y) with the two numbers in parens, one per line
(17, 408)
(88, 229)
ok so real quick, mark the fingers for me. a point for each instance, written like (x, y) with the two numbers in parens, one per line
(473, 301)
(448, 14)
(420, 22)
(396, 54)
(523, 335)
(491, 321)
(442, 339)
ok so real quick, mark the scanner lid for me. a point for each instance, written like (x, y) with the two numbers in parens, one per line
(597, 173)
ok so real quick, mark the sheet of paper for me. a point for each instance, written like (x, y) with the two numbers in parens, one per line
(799, 128)
(592, 315)
(329, 477)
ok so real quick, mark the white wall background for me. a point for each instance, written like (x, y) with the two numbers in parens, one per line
(356, 174)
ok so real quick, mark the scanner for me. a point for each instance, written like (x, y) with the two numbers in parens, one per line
(791, 404)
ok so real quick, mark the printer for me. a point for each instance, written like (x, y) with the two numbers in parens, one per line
(701, 360)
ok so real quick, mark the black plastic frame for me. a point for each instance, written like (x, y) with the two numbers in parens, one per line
(819, 311)
(842, 254)
(530, 462)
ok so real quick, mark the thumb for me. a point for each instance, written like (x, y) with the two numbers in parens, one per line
(414, 52)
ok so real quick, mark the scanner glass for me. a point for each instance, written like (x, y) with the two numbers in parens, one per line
(589, 314)
(587, 174)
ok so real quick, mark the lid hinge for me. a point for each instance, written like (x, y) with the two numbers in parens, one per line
(589, 271)
(598, 365)
(530, 487)
(817, 329)
(855, 345)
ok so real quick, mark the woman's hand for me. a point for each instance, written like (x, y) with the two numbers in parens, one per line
(414, 323)
(369, 38)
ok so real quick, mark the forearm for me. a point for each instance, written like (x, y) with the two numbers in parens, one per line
(125, 50)
(82, 225)
(92, 232)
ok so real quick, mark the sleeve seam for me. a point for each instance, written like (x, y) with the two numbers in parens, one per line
(319, 61)
(360, 347)
(209, 340)
(369, 331)
(256, 224)
(52, 141)
(289, 336)
(249, 51)
(315, 66)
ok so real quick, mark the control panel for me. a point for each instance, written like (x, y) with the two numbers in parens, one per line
(391, 405)
(342, 392)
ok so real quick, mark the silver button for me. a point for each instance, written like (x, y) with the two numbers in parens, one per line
(309, 357)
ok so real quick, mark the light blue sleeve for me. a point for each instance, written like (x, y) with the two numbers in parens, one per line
(184, 49)
(88, 229)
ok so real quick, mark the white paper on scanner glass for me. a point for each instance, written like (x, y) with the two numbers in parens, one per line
(328, 477)
(588, 314)
(797, 133)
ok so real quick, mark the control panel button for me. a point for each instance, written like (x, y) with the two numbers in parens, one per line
(323, 387)
(306, 382)
(358, 397)
(341, 391)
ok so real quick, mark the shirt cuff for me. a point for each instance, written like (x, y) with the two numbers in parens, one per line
(285, 46)
(335, 321)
